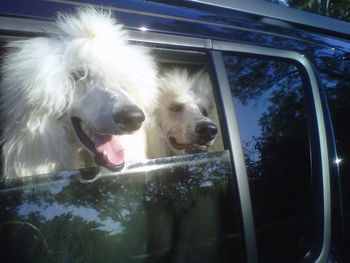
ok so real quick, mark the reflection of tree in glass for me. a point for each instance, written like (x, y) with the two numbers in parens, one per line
(175, 196)
(252, 78)
(279, 153)
(151, 215)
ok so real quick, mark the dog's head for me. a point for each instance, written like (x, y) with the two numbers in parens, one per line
(182, 112)
(113, 84)
(88, 77)
(100, 114)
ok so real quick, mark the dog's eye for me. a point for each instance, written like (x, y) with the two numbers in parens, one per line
(176, 107)
(79, 74)
(204, 111)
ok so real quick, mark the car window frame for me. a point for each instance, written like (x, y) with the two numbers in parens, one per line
(318, 108)
(12, 27)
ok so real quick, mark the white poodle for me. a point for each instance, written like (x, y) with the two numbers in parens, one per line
(77, 97)
(185, 118)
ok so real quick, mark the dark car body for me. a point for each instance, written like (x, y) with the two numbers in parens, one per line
(279, 192)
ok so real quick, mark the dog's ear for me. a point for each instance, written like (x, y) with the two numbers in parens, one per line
(35, 78)
(201, 86)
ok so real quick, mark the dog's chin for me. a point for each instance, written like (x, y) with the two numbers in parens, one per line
(189, 148)
(106, 148)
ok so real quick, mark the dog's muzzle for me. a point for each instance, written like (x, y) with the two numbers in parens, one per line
(205, 133)
(129, 118)
(107, 148)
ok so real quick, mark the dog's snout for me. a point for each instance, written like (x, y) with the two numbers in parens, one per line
(206, 130)
(129, 118)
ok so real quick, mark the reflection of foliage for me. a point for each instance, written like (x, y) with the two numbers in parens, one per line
(251, 77)
(285, 115)
(268, 95)
(153, 216)
(278, 157)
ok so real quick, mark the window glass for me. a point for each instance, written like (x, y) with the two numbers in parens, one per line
(269, 101)
(335, 79)
(172, 209)
(177, 209)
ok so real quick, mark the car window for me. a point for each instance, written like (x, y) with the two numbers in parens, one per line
(269, 98)
(335, 79)
(179, 208)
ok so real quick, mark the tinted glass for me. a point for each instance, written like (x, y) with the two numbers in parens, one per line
(337, 83)
(177, 209)
(335, 77)
(270, 107)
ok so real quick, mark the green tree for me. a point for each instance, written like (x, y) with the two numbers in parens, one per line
(339, 9)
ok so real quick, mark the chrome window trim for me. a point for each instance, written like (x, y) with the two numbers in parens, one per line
(169, 40)
(238, 157)
(236, 47)
(25, 25)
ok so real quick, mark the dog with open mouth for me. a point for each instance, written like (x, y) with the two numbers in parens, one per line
(185, 119)
(76, 98)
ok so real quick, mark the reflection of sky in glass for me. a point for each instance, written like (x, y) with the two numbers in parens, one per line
(248, 118)
(251, 101)
(249, 114)
(58, 187)
(50, 211)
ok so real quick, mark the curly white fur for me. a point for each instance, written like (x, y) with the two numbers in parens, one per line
(39, 92)
(184, 101)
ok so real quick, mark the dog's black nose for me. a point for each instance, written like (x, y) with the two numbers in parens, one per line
(206, 130)
(129, 118)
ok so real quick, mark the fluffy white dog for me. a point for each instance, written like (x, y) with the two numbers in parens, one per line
(78, 96)
(185, 118)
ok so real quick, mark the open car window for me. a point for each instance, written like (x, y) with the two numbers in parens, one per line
(174, 208)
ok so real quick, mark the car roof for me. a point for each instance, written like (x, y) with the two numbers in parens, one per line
(221, 20)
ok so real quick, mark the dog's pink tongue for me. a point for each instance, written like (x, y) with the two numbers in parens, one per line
(111, 148)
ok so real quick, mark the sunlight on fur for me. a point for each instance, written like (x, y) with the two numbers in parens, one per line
(86, 87)
(185, 118)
